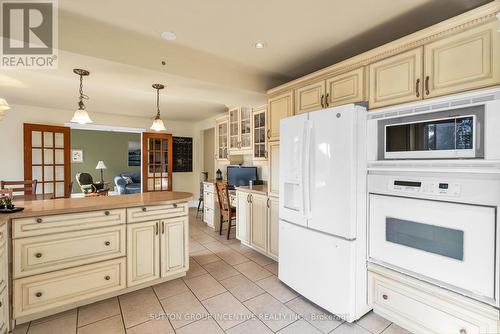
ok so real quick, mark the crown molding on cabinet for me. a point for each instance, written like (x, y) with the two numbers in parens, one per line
(472, 18)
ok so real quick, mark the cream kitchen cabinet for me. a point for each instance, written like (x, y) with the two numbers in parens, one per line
(396, 79)
(258, 225)
(240, 130)
(4, 311)
(243, 216)
(278, 107)
(143, 249)
(310, 97)
(259, 128)
(345, 88)
(274, 168)
(334, 91)
(465, 61)
(155, 249)
(273, 226)
(221, 138)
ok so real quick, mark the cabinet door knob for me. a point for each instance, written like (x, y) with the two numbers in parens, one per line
(322, 103)
(107, 278)
(266, 155)
(326, 99)
(417, 88)
(1, 304)
(39, 220)
(143, 209)
(107, 243)
(38, 294)
(268, 133)
(175, 205)
(162, 227)
(106, 213)
(427, 85)
(385, 297)
(463, 331)
(38, 255)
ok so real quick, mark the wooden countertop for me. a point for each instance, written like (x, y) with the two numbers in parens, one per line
(256, 189)
(72, 205)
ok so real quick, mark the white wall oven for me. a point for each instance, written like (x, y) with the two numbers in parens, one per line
(441, 229)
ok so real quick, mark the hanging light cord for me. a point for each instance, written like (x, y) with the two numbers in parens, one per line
(157, 103)
(82, 96)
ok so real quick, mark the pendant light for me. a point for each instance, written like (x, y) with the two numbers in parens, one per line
(4, 106)
(158, 123)
(81, 116)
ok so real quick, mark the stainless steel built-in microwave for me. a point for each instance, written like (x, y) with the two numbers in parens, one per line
(441, 135)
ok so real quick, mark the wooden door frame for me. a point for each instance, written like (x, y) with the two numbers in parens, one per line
(28, 128)
(145, 162)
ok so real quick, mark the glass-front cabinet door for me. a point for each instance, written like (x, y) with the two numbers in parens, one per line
(221, 138)
(259, 127)
(245, 128)
(234, 129)
(157, 162)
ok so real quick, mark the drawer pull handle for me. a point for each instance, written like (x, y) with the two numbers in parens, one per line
(38, 294)
(39, 220)
(107, 243)
(1, 304)
(463, 331)
(106, 213)
(385, 297)
(107, 278)
(143, 209)
(175, 205)
(38, 255)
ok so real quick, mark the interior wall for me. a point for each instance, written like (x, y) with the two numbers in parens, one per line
(110, 147)
(11, 132)
(209, 152)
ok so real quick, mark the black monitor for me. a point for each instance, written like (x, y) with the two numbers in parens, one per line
(240, 175)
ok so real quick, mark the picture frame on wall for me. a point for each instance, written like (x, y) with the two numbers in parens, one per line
(77, 156)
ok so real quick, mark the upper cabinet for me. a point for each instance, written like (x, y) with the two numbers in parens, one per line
(465, 61)
(339, 89)
(278, 107)
(221, 138)
(310, 97)
(396, 79)
(259, 126)
(346, 88)
(240, 134)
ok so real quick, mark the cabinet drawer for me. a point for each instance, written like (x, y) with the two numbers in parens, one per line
(400, 303)
(35, 226)
(208, 199)
(210, 187)
(64, 250)
(43, 292)
(157, 212)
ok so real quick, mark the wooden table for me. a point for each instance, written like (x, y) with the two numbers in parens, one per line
(30, 197)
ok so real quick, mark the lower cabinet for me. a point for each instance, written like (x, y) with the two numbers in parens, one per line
(273, 225)
(155, 249)
(4, 311)
(258, 227)
(257, 222)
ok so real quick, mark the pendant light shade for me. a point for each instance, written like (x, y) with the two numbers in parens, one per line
(81, 115)
(158, 123)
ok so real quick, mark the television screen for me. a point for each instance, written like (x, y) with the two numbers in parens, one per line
(240, 176)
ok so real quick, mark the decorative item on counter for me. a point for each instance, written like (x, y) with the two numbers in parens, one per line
(218, 175)
(6, 205)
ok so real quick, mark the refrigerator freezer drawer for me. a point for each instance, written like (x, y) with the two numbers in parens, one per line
(321, 268)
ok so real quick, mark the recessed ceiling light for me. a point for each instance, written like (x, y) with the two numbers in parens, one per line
(260, 45)
(168, 35)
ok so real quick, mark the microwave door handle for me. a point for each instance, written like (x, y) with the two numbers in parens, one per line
(477, 137)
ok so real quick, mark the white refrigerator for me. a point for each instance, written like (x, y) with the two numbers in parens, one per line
(322, 208)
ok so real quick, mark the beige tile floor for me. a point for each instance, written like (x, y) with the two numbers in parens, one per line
(229, 289)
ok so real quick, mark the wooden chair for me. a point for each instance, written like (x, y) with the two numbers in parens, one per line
(27, 186)
(227, 211)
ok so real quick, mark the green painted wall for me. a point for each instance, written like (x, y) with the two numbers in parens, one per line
(110, 147)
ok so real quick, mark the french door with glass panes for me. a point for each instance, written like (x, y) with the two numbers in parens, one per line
(156, 162)
(47, 158)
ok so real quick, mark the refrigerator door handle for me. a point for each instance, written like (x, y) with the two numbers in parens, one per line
(306, 170)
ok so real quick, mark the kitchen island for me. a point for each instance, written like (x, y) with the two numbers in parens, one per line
(59, 254)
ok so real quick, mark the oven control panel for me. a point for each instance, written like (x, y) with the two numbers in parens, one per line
(429, 187)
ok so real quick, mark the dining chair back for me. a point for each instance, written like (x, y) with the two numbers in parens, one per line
(26, 186)
(227, 211)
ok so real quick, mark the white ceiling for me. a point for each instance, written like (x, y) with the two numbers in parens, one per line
(213, 63)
